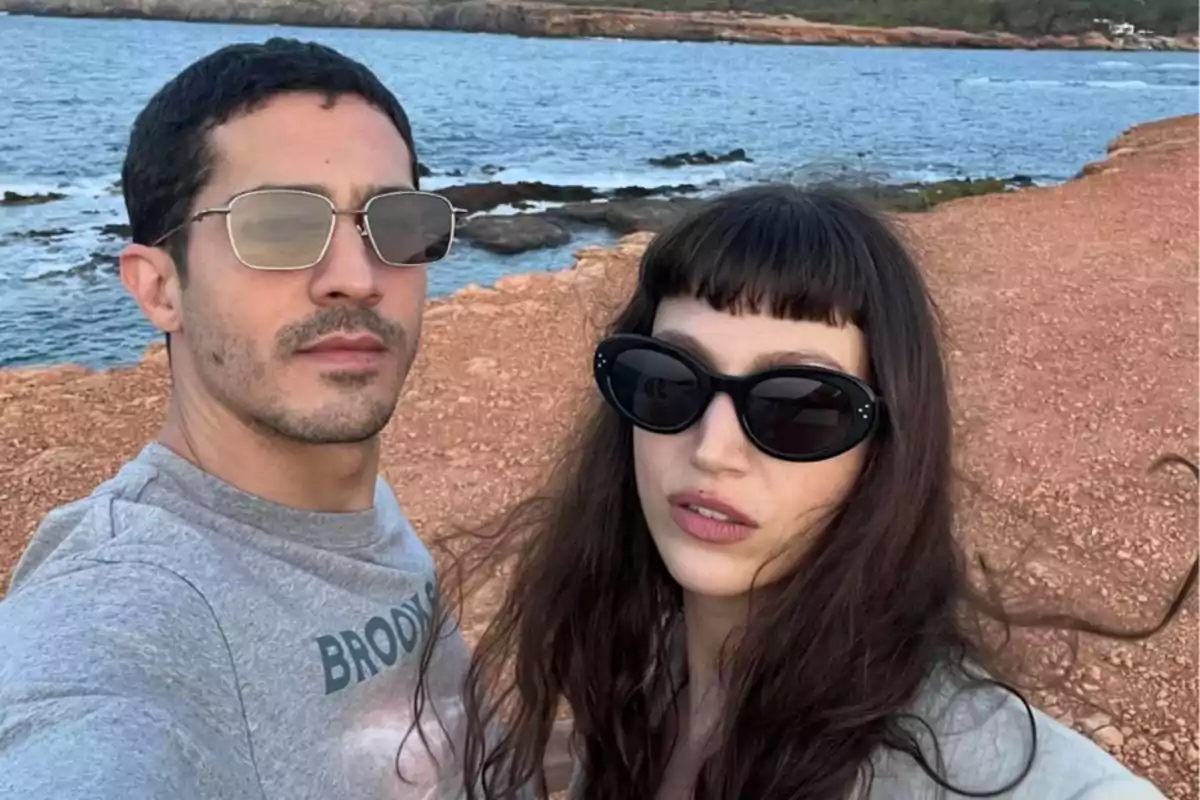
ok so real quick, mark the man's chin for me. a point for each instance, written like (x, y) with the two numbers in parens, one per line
(348, 378)
(353, 420)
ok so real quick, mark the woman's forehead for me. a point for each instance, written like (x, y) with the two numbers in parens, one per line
(745, 341)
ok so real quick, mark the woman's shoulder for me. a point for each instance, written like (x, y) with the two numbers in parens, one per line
(985, 735)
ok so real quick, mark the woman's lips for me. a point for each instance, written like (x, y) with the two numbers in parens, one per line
(709, 519)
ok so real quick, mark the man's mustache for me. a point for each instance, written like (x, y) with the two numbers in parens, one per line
(341, 319)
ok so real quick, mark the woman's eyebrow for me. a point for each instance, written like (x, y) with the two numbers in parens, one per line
(775, 358)
(791, 358)
(687, 342)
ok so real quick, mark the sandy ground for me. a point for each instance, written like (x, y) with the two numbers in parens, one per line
(1072, 321)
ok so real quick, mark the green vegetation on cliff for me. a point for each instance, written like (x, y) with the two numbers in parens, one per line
(1022, 17)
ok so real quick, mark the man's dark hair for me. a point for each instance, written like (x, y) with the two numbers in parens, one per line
(169, 159)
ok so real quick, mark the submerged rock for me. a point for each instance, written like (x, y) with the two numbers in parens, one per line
(515, 233)
(474, 197)
(916, 197)
(628, 216)
(19, 199)
(700, 157)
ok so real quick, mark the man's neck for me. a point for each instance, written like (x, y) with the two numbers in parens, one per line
(331, 478)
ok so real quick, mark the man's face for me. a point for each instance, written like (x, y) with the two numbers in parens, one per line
(316, 355)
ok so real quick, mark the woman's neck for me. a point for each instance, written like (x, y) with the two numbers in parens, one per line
(709, 623)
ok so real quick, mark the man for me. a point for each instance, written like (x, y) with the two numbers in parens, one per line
(242, 610)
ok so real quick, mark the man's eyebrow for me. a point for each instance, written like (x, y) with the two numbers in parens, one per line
(777, 358)
(365, 192)
(371, 191)
(315, 188)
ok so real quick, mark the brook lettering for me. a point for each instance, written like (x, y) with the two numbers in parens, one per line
(361, 654)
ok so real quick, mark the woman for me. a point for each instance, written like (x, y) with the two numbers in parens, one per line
(745, 582)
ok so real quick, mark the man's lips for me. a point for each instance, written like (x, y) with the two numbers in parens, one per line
(359, 343)
(349, 352)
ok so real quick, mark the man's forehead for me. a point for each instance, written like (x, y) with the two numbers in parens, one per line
(318, 109)
(306, 126)
(348, 152)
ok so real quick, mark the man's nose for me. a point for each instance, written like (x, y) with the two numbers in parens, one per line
(349, 273)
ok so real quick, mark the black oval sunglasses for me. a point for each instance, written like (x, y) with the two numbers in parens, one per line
(793, 413)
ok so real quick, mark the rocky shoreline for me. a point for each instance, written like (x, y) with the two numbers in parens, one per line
(635, 209)
(563, 21)
(578, 210)
(508, 218)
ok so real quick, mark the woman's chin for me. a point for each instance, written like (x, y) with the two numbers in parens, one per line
(708, 574)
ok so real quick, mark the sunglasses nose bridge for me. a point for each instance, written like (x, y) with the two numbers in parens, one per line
(733, 389)
(726, 397)
(357, 216)
(720, 443)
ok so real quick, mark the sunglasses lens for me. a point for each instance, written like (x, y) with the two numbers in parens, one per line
(410, 227)
(279, 229)
(655, 390)
(798, 417)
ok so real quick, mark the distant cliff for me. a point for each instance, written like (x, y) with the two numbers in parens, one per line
(551, 20)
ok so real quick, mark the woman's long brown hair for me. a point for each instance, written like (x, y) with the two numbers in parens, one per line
(834, 654)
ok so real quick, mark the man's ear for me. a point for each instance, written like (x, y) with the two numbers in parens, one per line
(152, 279)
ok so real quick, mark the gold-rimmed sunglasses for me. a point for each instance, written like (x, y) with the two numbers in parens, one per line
(290, 229)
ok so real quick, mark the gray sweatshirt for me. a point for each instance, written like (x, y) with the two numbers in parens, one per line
(172, 637)
(983, 737)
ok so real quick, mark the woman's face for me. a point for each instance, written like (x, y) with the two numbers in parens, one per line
(713, 462)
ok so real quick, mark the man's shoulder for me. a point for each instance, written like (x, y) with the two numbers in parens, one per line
(94, 527)
(127, 661)
(117, 619)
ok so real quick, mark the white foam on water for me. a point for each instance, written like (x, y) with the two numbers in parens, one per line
(1161, 66)
(92, 186)
(54, 262)
(1074, 84)
(531, 207)
(703, 176)
(1115, 84)
(650, 178)
(923, 175)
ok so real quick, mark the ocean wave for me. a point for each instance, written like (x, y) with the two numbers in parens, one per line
(649, 178)
(91, 186)
(1161, 66)
(1074, 84)
(75, 261)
